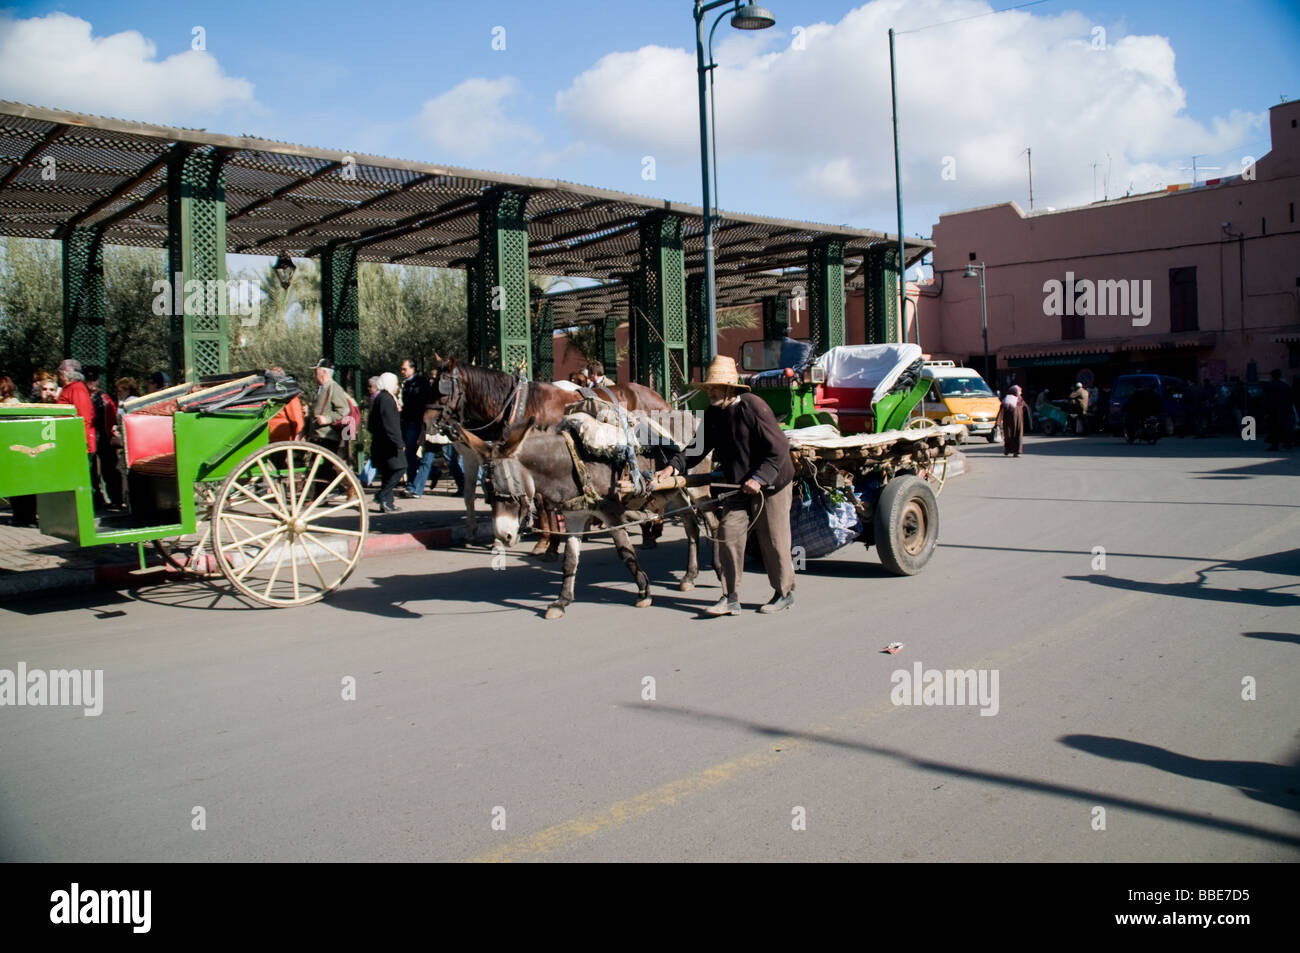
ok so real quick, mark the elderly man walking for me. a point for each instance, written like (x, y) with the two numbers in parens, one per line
(753, 453)
(330, 406)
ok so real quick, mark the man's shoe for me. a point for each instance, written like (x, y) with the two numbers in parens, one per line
(406, 494)
(724, 607)
(777, 603)
(388, 507)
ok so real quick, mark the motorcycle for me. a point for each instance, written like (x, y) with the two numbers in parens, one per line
(1147, 430)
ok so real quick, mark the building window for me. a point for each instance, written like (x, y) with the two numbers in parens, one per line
(1182, 300)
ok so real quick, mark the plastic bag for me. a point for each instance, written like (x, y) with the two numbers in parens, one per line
(821, 523)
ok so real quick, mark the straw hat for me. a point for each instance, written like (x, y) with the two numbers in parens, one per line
(722, 372)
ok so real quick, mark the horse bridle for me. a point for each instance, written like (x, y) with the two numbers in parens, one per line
(506, 479)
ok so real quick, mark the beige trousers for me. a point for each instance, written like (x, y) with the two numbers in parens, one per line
(773, 530)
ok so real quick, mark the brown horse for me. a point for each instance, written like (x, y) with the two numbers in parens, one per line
(528, 464)
(483, 401)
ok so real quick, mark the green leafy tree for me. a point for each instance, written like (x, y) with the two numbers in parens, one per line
(31, 309)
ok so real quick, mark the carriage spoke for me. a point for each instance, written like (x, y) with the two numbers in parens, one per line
(324, 493)
(336, 531)
(257, 499)
(312, 559)
(293, 498)
(253, 564)
(293, 565)
(251, 539)
(275, 489)
(339, 508)
(310, 480)
(327, 550)
(276, 571)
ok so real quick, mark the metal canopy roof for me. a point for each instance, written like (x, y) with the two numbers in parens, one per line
(296, 199)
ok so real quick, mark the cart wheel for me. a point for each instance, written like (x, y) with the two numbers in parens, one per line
(193, 555)
(907, 525)
(1050, 427)
(278, 538)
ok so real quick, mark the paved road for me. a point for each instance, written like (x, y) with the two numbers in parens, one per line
(1118, 689)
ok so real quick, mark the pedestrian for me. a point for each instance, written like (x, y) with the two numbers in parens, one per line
(108, 476)
(596, 374)
(290, 423)
(752, 451)
(419, 457)
(1012, 419)
(45, 388)
(327, 414)
(386, 450)
(1079, 406)
(157, 381)
(1279, 413)
(7, 390)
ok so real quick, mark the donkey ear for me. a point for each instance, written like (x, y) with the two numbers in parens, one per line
(511, 441)
(476, 444)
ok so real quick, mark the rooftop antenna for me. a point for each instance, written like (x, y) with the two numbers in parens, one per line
(1030, 155)
(1095, 163)
(1105, 182)
(1204, 168)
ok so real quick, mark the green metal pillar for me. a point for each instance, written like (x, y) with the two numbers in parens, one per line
(659, 306)
(500, 329)
(84, 302)
(609, 347)
(341, 314)
(196, 246)
(697, 330)
(880, 296)
(544, 349)
(826, 294)
(776, 317)
(474, 351)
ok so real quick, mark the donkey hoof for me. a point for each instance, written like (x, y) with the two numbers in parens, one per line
(555, 612)
(642, 603)
(685, 586)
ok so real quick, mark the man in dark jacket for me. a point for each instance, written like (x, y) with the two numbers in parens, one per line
(419, 458)
(753, 453)
(1279, 412)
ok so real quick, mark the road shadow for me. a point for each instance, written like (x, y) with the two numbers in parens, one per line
(1275, 784)
(999, 779)
(1286, 637)
(1285, 564)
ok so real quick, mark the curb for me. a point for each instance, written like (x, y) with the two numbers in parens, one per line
(125, 575)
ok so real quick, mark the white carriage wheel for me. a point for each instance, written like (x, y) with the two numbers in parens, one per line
(278, 537)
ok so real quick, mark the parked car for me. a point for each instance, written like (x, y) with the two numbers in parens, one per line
(1171, 391)
(958, 395)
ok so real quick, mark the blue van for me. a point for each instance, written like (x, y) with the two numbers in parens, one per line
(1172, 391)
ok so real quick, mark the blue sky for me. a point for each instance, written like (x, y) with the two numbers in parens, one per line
(587, 92)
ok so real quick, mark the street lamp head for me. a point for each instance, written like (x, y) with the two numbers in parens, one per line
(752, 17)
(970, 272)
(284, 269)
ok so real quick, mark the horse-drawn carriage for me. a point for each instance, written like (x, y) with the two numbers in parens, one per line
(209, 486)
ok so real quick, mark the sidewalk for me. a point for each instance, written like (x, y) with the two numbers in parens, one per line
(32, 563)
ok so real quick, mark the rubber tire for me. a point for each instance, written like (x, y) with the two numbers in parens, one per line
(1050, 428)
(995, 434)
(895, 499)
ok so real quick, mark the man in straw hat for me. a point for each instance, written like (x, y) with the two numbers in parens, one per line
(753, 453)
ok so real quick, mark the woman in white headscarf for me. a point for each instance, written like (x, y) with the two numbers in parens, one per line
(386, 450)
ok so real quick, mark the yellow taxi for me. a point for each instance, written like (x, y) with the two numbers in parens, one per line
(958, 395)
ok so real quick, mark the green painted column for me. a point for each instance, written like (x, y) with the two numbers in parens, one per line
(609, 347)
(499, 319)
(776, 317)
(84, 301)
(697, 329)
(341, 314)
(880, 296)
(544, 351)
(826, 293)
(473, 324)
(196, 251)
(659, 306)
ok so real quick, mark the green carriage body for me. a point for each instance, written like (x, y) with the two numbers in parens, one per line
(44, 453)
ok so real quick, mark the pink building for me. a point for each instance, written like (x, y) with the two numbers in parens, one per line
(1201, 281)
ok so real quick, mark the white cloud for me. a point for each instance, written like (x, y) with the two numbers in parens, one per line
(470, 120)
(979, 91)
(56, 61)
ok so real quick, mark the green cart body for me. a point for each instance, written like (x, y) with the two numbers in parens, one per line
(220, 471)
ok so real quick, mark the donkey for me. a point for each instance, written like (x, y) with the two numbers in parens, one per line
(483, 401)
(530, 463)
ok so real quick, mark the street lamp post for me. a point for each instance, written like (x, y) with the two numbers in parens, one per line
(984, 313)
(747, 17)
